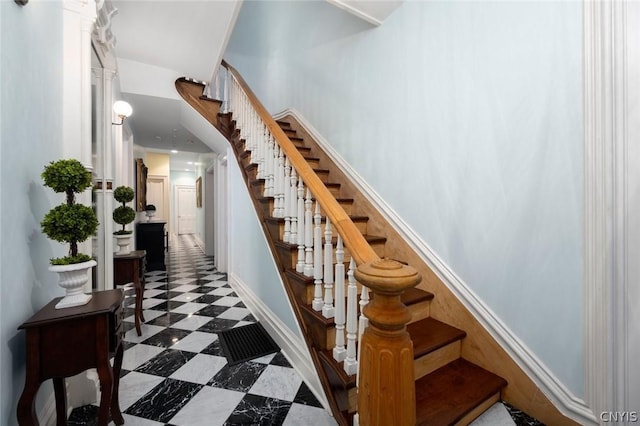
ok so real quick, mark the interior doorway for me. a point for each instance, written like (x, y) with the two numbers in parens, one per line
(185, 209)
(158, 195)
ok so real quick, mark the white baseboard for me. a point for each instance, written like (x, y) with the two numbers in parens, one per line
(293, 347)
(199, 242)
(570, 405)
(47, 414)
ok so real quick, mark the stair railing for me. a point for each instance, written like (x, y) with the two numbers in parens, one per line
(377, 347)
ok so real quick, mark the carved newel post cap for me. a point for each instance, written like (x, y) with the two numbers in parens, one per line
(387, 276)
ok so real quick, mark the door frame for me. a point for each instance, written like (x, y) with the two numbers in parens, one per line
(174, 212)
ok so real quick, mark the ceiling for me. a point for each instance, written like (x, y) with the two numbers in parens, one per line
(158, 41)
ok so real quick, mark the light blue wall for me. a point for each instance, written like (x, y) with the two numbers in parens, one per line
(466, 117)
(250, 259)
(31, 116)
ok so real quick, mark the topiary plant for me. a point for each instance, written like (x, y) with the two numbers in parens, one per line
(123, 214)
(70, 222)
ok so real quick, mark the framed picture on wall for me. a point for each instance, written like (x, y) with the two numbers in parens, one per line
(199, 192)
(141, 185)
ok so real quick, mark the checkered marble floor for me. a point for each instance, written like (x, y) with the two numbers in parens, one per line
(175, 373)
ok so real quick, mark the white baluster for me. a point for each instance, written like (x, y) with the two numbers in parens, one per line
(301, 227)
(328, 311)
(286, 194)
(278, 210)
(293, 207)
(262, 149)
(276, 178)
(351, 363)
(317, 260)
(363, 321)
(339, 351)
(268, 186)
(308, 236)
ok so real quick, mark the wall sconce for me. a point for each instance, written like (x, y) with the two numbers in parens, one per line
(22, 2)
(122, 110)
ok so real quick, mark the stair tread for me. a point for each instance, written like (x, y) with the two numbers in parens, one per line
(283, 123)
(415, 295)
(449, 393)
(430, 334)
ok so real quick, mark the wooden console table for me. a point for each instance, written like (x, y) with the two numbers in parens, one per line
(64, 342)
(150, 236)
(131, 268)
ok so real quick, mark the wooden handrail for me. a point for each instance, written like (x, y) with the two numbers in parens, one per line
(361, 251)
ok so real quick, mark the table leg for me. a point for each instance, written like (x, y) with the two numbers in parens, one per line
(116, 414)
(138, 308)
(26, 407)
(61, 400)
(143, 283)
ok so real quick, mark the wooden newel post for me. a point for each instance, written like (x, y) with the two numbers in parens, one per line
(386, 392)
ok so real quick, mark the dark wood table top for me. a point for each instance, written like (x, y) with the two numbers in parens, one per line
(101, 302)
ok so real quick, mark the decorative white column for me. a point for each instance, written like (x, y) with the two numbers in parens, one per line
(77, 24)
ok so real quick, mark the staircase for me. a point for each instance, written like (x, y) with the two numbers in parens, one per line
(446, 388)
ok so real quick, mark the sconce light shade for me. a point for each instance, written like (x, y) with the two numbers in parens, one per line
(122, 109)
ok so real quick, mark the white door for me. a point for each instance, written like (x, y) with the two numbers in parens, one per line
(186, 209)
(156, 195)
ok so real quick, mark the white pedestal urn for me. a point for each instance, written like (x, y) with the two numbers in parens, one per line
(123, 241)
(73, 277)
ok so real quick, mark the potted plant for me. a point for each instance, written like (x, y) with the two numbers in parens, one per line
(150, 211)
(123, 215)
(70, 223)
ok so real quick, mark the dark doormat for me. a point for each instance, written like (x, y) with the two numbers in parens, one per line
(247, 342)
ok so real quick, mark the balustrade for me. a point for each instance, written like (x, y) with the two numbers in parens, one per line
(304, 203)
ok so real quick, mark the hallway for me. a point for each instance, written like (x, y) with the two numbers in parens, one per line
(176, 373)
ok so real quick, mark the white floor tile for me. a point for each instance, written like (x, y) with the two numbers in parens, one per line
(152, 293)
(134, 386)
(138, 421)
(235, 313)
(184, 282)
(150, 303)
(189, 308)
(195, 342)
(192, 322)
(277, 382)
(223, 291)
(137, 355)
(186, 297)
(200, 369)
(209, 407)
(497, 415)
(300, 414)
(145, 330)
(227, 301)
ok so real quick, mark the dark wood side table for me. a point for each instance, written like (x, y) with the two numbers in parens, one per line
(131, 268)
(64, 342)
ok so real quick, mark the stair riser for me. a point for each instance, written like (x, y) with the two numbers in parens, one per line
(475, 413)
(436, 359)
(323, 337)
(419, 311)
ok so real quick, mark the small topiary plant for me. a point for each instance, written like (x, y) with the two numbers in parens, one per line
(70, 222)
(123, 214)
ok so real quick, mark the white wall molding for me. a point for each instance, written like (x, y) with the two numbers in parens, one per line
(294, 348)
(570, 405)
(611, 54)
